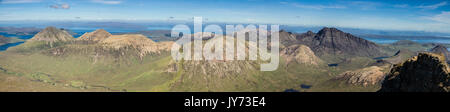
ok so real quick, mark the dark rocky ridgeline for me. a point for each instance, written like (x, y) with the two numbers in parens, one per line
(426, 72)
(331, 41)
(440, 49)
(334, 41)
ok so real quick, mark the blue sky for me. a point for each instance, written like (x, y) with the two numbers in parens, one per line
(415, 15)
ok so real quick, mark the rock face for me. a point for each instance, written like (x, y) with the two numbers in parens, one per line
(52, 34)
(440, 49)
(367, 76)
(426, 72)
(97, 35)
(331, 41)
(287, 38)
(334, 41)
(300, 54)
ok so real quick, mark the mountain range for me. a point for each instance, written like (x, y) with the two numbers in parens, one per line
(333, 43)
(329, 60)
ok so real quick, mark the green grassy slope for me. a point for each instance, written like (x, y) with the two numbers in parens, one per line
(85, 67)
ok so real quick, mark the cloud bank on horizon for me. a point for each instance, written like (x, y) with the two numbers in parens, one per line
(416, 15)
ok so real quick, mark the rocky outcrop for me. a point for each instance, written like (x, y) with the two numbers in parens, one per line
(427, 72)
(97, 35)
(300, 54)
(367, 76)
(52, 34)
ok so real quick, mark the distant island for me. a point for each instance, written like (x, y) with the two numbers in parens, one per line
(6, 40)
(20, 31)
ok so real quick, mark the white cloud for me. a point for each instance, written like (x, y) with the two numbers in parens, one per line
(111, 2)
(443, 17)
(317, 7)
(18, 1)
(54, 6)
(365, 5)
(401, 5)
(65, 6)
(60, 6)
(434, 6)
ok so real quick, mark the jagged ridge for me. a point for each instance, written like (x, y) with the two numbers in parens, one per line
(331, 41)
(426, 72)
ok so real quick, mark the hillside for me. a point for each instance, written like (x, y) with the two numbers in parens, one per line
(98, 61)
(366, 77)
(426, 72)
(300, 54)
(331, 41)
(133, 62)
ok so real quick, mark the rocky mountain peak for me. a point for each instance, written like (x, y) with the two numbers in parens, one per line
(335, 42)
(139, 42)
(52, 34)
(334, 33)
(300, 54)
(97, 35)
(329, 31)
(427, 72)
